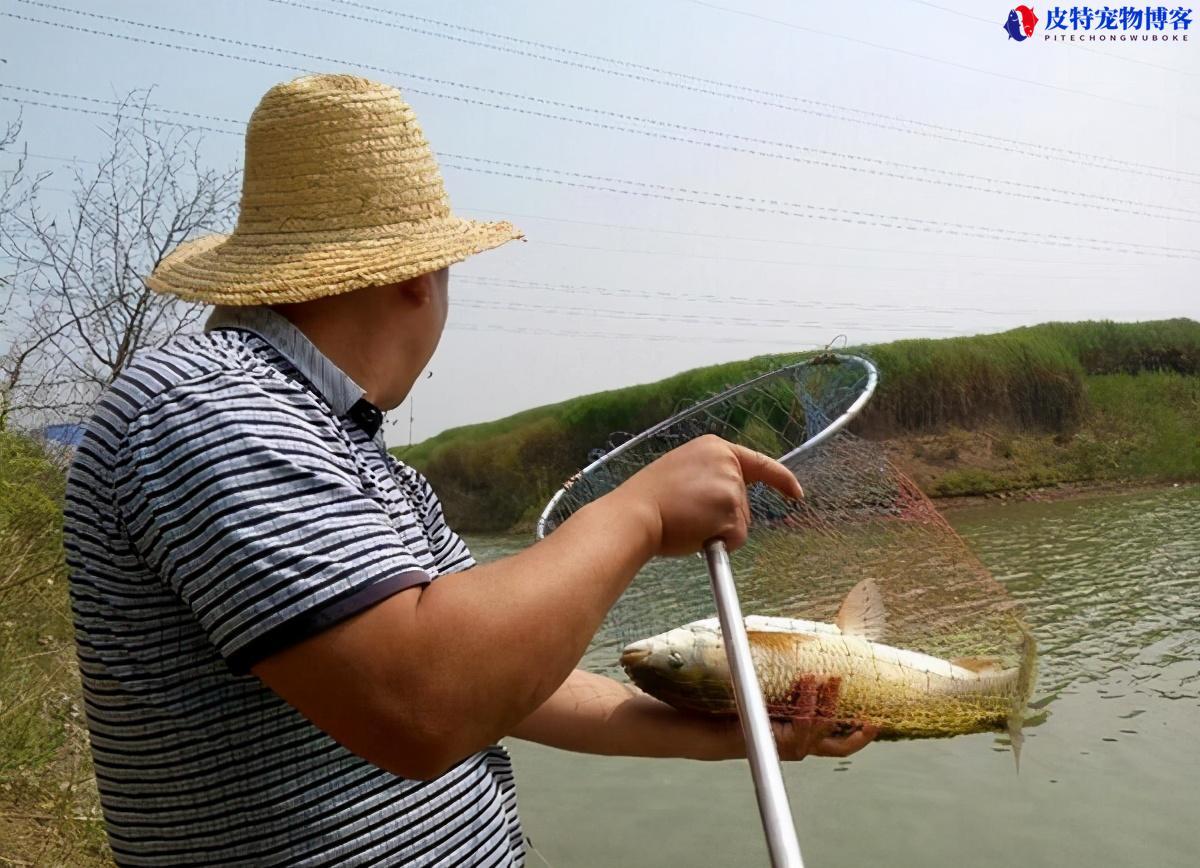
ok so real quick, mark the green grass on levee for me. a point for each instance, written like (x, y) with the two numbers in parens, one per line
(1053, 378)
(48, 806)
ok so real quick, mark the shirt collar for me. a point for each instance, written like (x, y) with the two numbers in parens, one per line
(334, 384)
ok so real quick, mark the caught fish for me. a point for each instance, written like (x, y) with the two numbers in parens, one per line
(839, 672)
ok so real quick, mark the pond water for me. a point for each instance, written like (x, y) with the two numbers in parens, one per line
(1110, 772)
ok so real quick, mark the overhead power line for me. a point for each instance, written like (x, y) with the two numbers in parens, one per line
(709, 337)
(815, 300)
(725, 237)
(730, 298)
(923, 253)
(659, 70)
(859, 164)
(110, 113)
(735, 87)
(742, 322)
(792, 263)
(916, 54)
(1015, 188)
(54, 158)
(609, 336)
(722, 236)
(58, 94)
(644, 189)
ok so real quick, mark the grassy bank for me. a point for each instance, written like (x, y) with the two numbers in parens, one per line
(1138, 428)
(1029, 407)
(48, 805)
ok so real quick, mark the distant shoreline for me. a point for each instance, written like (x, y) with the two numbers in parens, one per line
(1066, 492)
(1036, 412)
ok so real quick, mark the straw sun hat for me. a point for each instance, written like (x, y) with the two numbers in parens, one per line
(340, 191)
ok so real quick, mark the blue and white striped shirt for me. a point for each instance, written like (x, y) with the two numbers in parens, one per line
(225, 505)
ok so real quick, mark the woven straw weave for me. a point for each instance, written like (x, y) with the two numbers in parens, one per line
(341, 191)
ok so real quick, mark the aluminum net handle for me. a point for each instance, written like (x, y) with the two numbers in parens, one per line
(774, 809)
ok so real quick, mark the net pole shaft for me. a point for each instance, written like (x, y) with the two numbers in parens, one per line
(773, 806)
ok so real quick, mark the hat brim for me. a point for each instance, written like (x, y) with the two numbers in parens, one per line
(294, 267)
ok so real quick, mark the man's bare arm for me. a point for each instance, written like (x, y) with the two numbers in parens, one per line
(435, 673)
(598, 715)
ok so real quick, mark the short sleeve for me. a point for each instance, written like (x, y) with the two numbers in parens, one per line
(449, 550)
(243, 498)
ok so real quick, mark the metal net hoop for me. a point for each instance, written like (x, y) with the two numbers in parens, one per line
(781, 413)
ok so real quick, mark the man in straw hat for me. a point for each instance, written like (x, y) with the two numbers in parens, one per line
(287, 656)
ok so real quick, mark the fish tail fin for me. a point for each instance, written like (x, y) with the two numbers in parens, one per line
(1016, 738)
(1026, 674)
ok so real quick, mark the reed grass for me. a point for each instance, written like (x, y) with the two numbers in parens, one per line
(1032, 380)
(49, 812)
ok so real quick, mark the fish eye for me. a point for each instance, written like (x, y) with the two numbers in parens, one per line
(675, 660)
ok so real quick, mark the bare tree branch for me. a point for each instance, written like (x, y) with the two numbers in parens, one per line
(77, 309)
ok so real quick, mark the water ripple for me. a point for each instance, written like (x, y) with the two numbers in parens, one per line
(1112, 586)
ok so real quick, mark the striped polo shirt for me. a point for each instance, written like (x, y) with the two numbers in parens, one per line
(230, 499)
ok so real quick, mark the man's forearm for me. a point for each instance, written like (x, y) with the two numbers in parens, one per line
(496, 641)
(597, 715)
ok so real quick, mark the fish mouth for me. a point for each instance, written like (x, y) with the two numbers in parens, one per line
(635, 654)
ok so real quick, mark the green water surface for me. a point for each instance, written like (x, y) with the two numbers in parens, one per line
(1110, 773)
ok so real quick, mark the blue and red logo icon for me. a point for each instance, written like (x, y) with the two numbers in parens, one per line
(1020, 23)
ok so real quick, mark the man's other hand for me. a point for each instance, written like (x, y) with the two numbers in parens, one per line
(796, 739)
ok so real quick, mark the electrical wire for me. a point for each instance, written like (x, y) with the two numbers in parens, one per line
(734, 298)
(734, 86)
(602, 335)
(794, 241)
(633, 65)
(1022, 147)
(643, 189)
(743, 322)
(659, 230)
(724, 237)
(1018, 189)
(792, 263)
(915, 54)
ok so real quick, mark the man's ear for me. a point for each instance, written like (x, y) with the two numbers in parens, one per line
(416, 292)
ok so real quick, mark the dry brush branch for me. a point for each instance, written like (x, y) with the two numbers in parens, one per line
(79, 307)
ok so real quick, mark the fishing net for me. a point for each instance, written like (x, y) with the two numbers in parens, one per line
(932, 644)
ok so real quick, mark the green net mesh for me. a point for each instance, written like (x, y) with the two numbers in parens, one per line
(863, 604)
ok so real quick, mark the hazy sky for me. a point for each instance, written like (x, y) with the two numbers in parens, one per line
(882, 170)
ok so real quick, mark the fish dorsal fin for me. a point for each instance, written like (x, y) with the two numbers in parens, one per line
(979, 665)
(862, 613)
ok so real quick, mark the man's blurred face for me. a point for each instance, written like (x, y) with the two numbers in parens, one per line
(428, 322)
(441, 296)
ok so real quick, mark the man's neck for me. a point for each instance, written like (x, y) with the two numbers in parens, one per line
(366, 352)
